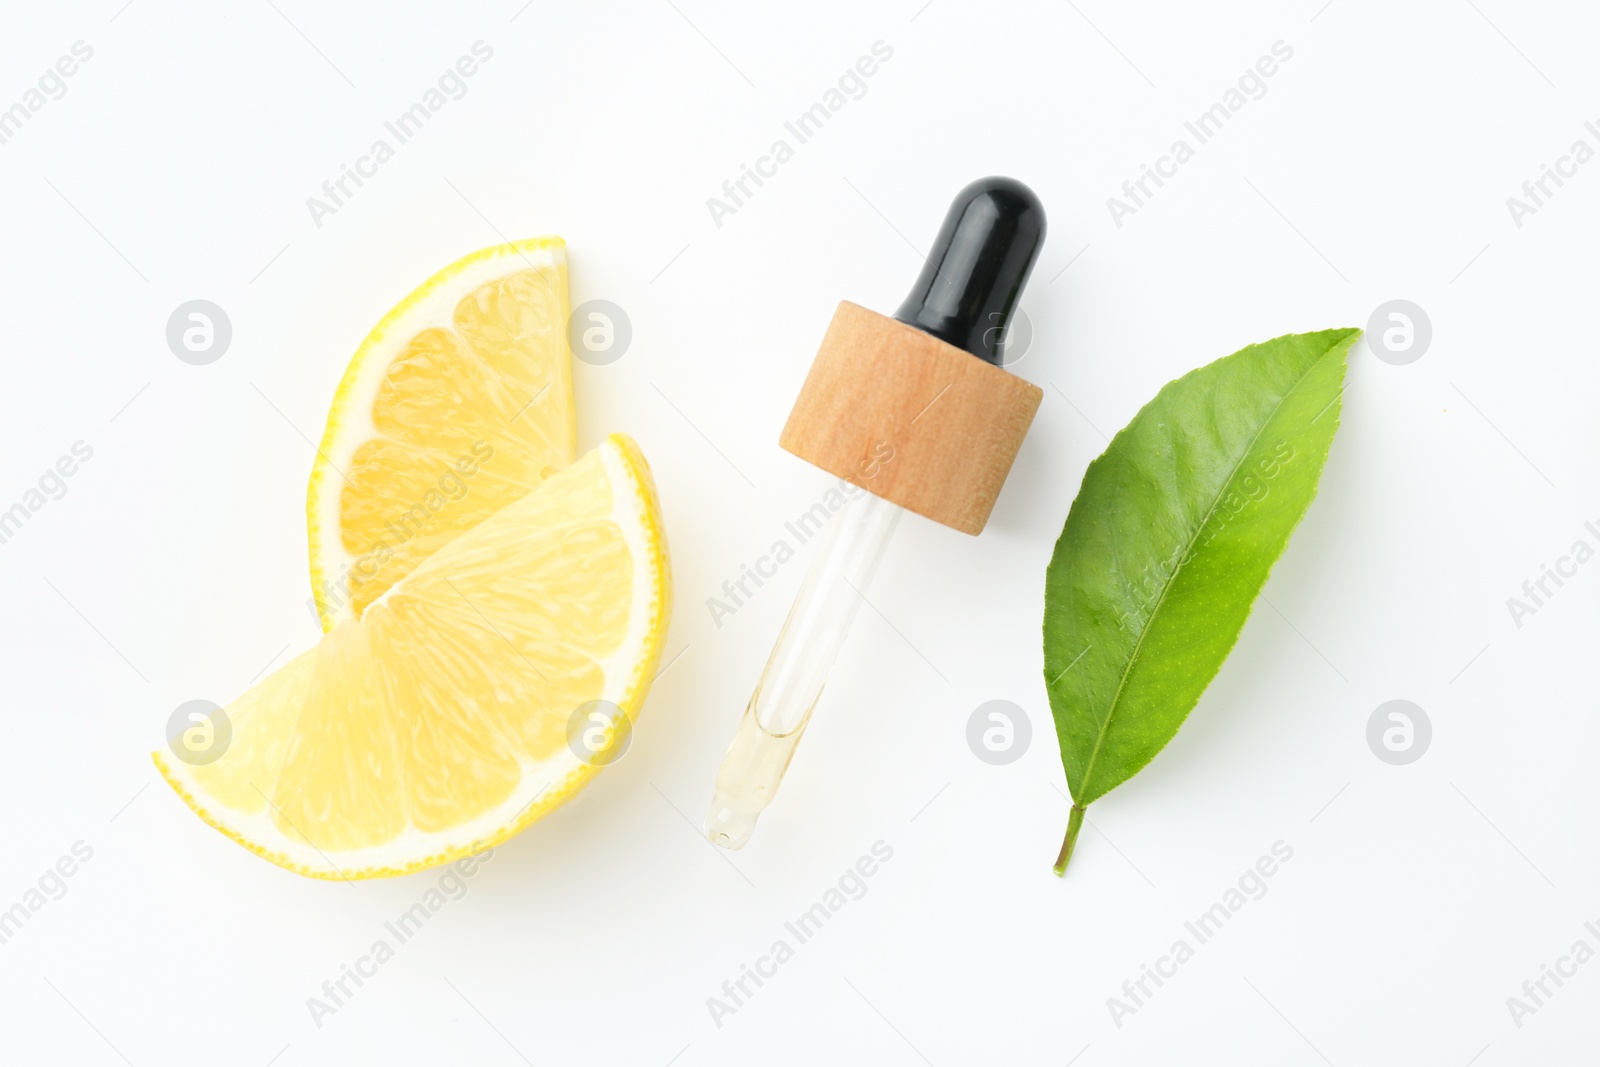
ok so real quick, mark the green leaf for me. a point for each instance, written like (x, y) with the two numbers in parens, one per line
(1171, 538)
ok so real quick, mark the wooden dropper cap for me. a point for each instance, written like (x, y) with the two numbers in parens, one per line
(917, 408)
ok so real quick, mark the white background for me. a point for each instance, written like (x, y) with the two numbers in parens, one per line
(1377, 166)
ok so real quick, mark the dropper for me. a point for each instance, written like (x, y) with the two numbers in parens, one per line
(916, 411)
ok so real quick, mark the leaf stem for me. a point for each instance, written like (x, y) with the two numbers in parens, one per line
(1074, 824)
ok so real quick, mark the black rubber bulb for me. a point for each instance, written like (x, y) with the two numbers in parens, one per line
(979, 264)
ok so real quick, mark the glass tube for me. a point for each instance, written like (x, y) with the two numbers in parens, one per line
(797, 670)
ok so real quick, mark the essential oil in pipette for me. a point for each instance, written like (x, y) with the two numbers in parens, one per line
(927, 387)
(749, 777)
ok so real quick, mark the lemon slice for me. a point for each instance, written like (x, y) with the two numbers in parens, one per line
(457, 403)
(485, 688)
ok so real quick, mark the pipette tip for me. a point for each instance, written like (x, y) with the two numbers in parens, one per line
(729, 824)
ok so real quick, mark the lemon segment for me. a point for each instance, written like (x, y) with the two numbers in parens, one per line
(457, 403)
(439, 721)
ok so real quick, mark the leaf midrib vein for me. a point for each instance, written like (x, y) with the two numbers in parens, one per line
(1183, 560)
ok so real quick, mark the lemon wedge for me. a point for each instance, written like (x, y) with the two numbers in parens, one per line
(482, 689)
(457, 403)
